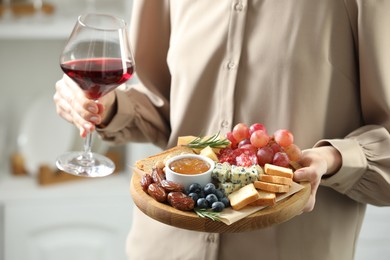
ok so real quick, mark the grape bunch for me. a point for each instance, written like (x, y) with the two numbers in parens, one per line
(253, 145)
(208, 197)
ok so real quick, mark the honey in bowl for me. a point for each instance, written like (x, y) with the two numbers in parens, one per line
(189, 165)
(186, 169)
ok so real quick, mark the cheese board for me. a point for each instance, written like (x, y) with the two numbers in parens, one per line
(281, 212)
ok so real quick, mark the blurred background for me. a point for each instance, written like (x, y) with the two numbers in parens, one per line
(47, 216)
(44, 215)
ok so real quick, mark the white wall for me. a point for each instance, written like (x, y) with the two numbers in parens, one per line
(28, 69)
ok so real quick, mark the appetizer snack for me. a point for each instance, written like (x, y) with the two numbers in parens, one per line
(278, 170)
(186, 169)
(251, 168)
(265, 199)
(267, 188)
(271, 187)
(275, 179)
(243, 196)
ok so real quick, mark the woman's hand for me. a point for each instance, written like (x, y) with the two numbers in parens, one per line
(317, 162)
(72, 105)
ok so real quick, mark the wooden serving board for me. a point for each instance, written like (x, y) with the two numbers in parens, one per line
(281, 212)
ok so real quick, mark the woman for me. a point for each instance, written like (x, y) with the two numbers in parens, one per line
(318, 68)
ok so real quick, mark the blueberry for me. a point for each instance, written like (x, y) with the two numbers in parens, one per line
(194, 187)
(202, 203)
(225, 201)
(194, 196)
(219, 194)
(217, 206)
(211, 198)
(209, 188)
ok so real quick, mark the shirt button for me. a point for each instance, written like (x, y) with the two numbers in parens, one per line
(231, 65)
(224, 124)
(210, 238)
(238, 7)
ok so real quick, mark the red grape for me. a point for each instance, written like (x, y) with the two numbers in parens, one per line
(294, 152)
(283, 137)
(249, 147)
(233, 141)
(281, 159)
(275, 147)
(240, 132)
(259, 138)
(265, 155)
(244, 142)
(255, 127)
(250, 144)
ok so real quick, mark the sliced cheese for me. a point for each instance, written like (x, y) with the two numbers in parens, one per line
(184, 140)
(209, 152)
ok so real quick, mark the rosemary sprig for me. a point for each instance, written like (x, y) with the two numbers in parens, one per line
(213, 141)
(203, 213)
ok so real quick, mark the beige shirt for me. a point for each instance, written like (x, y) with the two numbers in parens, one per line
(319, 68)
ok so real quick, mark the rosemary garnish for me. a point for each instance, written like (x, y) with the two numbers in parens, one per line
(204, 213)
(214, 141)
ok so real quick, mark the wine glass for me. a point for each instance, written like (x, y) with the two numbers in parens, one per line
(98, 58)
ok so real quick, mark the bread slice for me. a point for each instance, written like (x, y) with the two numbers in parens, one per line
(271, 187)
(278, 170)
(275, 179)
(159, 159)
(265, 199)
(244, 196)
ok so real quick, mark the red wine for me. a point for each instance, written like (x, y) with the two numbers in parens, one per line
(98, 76)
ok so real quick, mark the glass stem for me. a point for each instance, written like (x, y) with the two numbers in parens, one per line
(87, 147)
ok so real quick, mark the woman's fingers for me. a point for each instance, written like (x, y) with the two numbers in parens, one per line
(75, 107)
(308, 174)
(314, 167)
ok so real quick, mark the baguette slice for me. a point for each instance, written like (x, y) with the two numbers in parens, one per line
(244, 196)
(271, 187)
(278, 170)
(266, 199)
(275, 179)
(148, 163)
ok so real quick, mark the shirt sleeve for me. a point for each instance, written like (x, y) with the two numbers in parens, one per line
(365, 172)
(143, 109)
(138, 119)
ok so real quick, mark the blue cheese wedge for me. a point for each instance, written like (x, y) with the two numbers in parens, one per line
(231, 177)
(239, 174)
(244, 175)
(221, 172)
(229, 187)
(258, 169)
